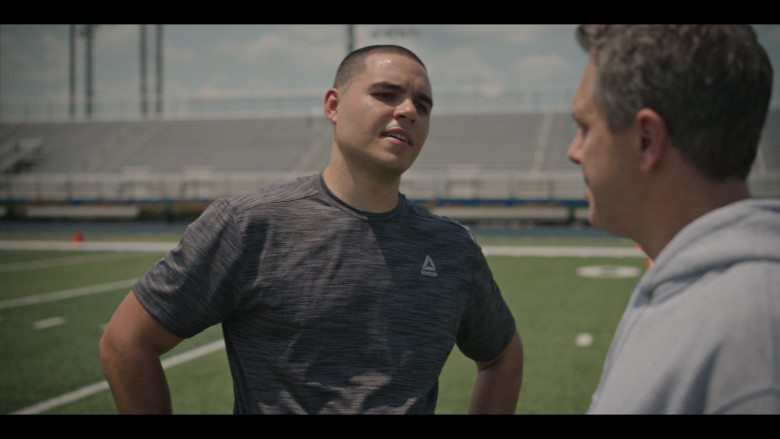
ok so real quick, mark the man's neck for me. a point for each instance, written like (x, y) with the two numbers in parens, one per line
(362, 192)
(684, 205)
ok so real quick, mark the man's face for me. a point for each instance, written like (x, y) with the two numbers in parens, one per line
(606, 160)
(381, 117)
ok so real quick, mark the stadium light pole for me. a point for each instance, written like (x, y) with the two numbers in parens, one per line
(159, 66)
(350, 38)
(88, 33)
(143, 68)
(158, 70)
(72, 73)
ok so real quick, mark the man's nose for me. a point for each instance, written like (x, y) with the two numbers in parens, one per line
(407, 109)
(574, 149)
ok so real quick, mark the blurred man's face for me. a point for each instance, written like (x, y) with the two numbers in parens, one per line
(606, 161)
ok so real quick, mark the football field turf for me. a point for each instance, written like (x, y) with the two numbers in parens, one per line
(567, 294)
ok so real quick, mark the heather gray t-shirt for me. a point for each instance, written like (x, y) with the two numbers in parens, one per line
(326, 309)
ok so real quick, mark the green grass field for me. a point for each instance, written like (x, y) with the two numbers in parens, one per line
(49, 348)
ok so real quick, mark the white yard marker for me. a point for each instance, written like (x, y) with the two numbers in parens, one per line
(48, 323)
(584, 340)
(609, 271)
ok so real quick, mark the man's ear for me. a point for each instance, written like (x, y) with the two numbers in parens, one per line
(653, 137)
(331, 104)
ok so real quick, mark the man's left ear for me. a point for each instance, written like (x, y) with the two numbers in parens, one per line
(654, 139)
(331, 103)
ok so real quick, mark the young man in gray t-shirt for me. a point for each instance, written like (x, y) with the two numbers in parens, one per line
(335, 293)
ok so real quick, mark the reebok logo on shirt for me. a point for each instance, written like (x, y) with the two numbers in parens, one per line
(428, 267)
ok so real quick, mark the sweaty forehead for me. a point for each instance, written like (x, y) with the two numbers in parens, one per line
(396, 63)
(391, 68)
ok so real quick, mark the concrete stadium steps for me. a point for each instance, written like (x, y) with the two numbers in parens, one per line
(227, 145)
(481, 141)
(170, 146)
(511, 155)
(70, 147)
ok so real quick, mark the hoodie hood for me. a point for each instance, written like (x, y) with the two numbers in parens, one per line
(748, 230)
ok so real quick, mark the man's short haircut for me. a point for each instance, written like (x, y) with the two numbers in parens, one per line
(711, 84)
(355, 63)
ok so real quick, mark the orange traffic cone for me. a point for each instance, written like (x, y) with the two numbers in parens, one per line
(648, 261)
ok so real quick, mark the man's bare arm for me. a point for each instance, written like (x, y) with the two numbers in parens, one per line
(130, 352)
(498, 381)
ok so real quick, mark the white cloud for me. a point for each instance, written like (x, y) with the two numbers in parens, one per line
(121, 41)
(516, 34)
(255, 49)
(41, 60)
(542, 68)
(459, 64)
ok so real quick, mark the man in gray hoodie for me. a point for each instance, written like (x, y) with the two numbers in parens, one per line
(669, 121)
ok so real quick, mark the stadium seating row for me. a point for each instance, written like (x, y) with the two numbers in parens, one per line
(490, 155)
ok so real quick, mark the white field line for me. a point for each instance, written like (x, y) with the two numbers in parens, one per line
(67, 245)
(68, 294)
(61, 261)
(499, 250)
(86, 246)
(103, 385)
(517, 251)
(563, 251)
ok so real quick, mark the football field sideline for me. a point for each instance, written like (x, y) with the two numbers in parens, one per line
(41, 407)
(489, 250)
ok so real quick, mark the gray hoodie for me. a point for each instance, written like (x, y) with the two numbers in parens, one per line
(701, 333)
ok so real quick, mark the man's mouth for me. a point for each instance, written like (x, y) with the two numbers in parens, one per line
(398, 136)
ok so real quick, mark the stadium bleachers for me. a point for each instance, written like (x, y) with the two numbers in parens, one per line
(224, 145)
(481, 155)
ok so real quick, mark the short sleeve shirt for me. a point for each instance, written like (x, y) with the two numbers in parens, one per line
(327, 309)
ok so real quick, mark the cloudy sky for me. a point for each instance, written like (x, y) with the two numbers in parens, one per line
(219, 61)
